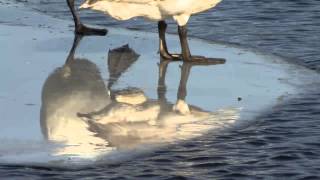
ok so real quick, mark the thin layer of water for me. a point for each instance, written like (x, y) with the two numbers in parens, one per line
(279, 144)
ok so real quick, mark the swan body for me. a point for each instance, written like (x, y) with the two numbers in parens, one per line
(155, 10)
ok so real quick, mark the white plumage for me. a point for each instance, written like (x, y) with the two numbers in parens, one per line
(155, 10)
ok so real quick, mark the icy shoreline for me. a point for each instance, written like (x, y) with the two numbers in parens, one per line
(33, 45)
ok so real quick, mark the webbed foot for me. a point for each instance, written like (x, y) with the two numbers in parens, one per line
(88, 31)
(201, 60)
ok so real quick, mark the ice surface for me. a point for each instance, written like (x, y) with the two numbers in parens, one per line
(57, 114)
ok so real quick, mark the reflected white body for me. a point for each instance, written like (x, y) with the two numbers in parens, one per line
(68, 91)
(130, 121)
(128, 125)
(179, 10)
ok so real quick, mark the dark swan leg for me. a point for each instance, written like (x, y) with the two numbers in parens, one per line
(79, 27)
(181, 106)
(185, 72)
(76, 41)
(164, 53)
(186, 55)
(162, 89)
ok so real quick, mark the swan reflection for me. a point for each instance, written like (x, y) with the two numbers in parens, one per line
(75, 87)
(90, 118)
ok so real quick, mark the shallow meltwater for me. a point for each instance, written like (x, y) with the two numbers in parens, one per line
(109, 107)
(101, 106)
(92, 120)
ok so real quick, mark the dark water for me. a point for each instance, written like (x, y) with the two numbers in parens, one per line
(283, 144)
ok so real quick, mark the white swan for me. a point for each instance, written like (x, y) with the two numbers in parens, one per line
(157, 10)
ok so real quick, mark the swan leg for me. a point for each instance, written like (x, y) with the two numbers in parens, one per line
(185, 72)
(186, 55)
(164, 53)
(162, 89)
(76, 41)
(181, 106)
(79, 27)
